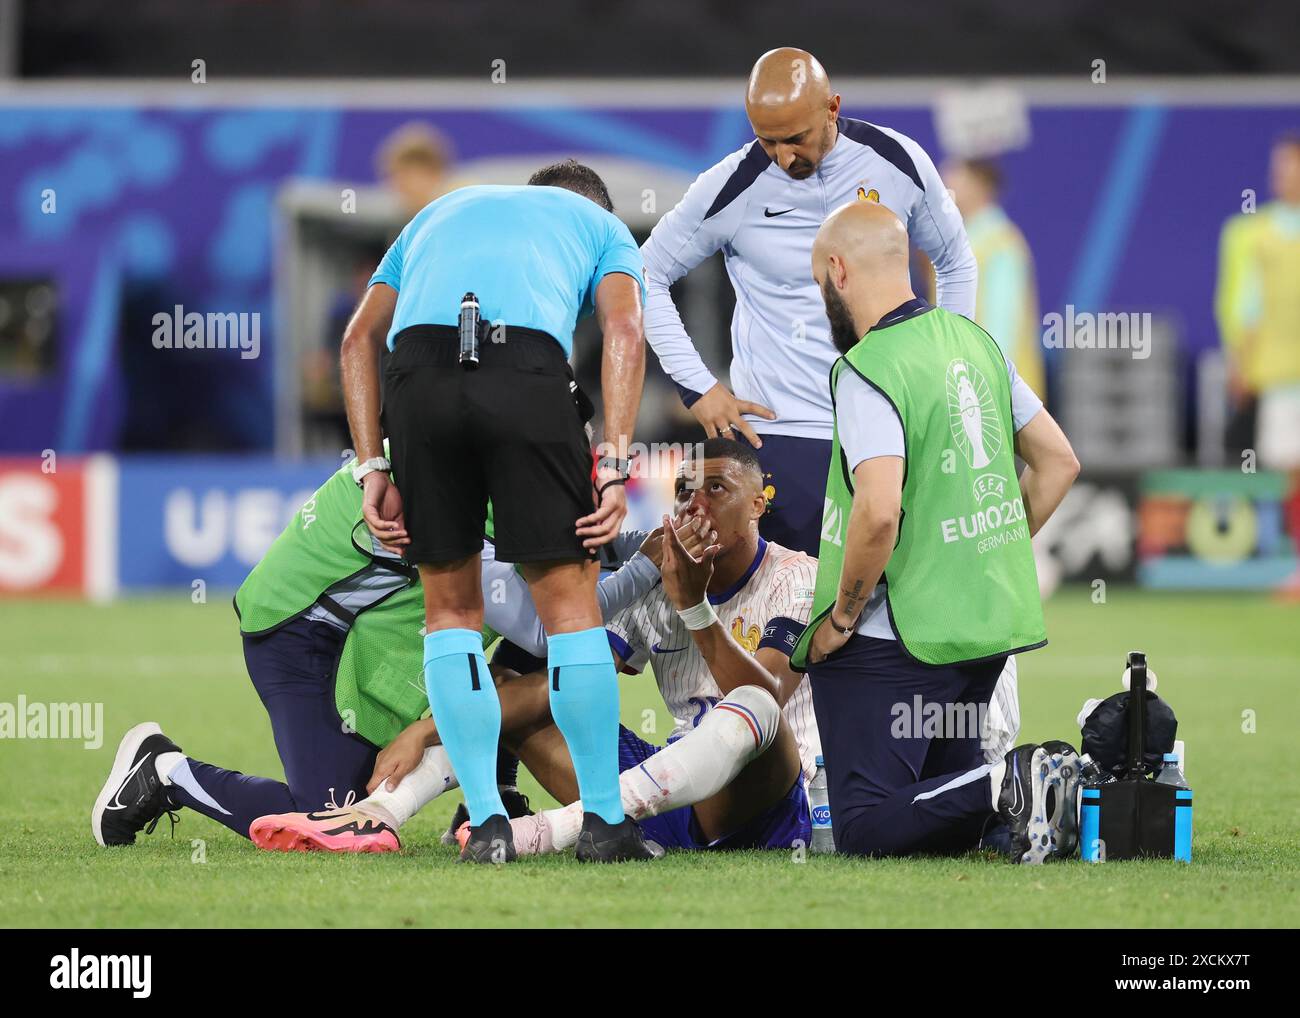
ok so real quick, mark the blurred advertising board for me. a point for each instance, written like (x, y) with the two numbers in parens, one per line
(182, 519)
(1220, 529)
(101, 524)
(50, 542)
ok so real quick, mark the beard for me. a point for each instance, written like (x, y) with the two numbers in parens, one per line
(843, 334)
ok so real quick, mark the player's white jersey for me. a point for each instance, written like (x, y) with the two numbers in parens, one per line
(764, 222)
(770, 606)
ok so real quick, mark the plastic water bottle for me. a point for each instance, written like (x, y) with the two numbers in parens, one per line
(819, 804)
(1171, 773)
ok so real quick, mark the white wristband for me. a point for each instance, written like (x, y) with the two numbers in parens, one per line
(700, 617)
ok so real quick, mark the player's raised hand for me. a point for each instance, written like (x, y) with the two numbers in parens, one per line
(603, 525)
(381, 507)
(718, 411)
(696, 533)
(685, 577)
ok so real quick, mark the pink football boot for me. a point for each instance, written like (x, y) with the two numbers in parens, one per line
(343, 829)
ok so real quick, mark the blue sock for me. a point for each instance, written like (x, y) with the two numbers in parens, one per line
(584, 703)
(468, 715)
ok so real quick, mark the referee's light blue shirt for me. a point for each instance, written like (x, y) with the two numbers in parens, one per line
(533, 256)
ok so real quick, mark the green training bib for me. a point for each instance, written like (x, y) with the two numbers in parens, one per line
(960, 584)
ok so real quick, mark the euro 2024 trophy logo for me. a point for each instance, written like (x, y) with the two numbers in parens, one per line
(972, 414)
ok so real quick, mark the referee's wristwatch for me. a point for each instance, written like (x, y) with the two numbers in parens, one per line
(369, 467)
(622, 467)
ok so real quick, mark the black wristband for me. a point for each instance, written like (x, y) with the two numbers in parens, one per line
(848, 630)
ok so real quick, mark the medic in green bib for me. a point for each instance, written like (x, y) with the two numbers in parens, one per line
(332, 624)
(926, 580)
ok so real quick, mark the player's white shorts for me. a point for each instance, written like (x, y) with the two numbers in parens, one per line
(1002, 719)
(1277, 438)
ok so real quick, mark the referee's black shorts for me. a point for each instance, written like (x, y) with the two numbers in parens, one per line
(510, 431)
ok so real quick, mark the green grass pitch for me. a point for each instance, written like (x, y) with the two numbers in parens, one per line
(1229, 664)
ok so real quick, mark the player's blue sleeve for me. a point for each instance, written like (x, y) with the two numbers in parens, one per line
(632, 581)
(508, 603)
(390, 267)
(936, 227)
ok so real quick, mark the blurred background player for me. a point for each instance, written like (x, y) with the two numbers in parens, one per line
(415, 162)
(1258, 309)
(537, 257)
(761, 206)
(1006, 302)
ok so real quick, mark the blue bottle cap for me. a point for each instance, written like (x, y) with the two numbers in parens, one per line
(821, 762)
(1171, 758)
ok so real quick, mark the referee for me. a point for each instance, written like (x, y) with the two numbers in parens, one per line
(488, 410)
(925, 580)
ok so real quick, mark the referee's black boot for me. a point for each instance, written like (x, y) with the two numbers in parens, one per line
(515, 802)
(621, 842)
(492, 842)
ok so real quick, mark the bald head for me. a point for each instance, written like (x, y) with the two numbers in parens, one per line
(860, 260)
(785, 79)
(866, 237)
(792, 109)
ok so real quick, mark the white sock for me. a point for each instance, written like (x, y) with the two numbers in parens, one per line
(997, 772)
(430, 778)
(165, 763)
(696, 766)
(705, 760)
(562, 825)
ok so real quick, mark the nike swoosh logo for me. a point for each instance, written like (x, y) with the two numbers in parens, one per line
(768, 213)
(117, 796)
(1018, 795)
(657, 649)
